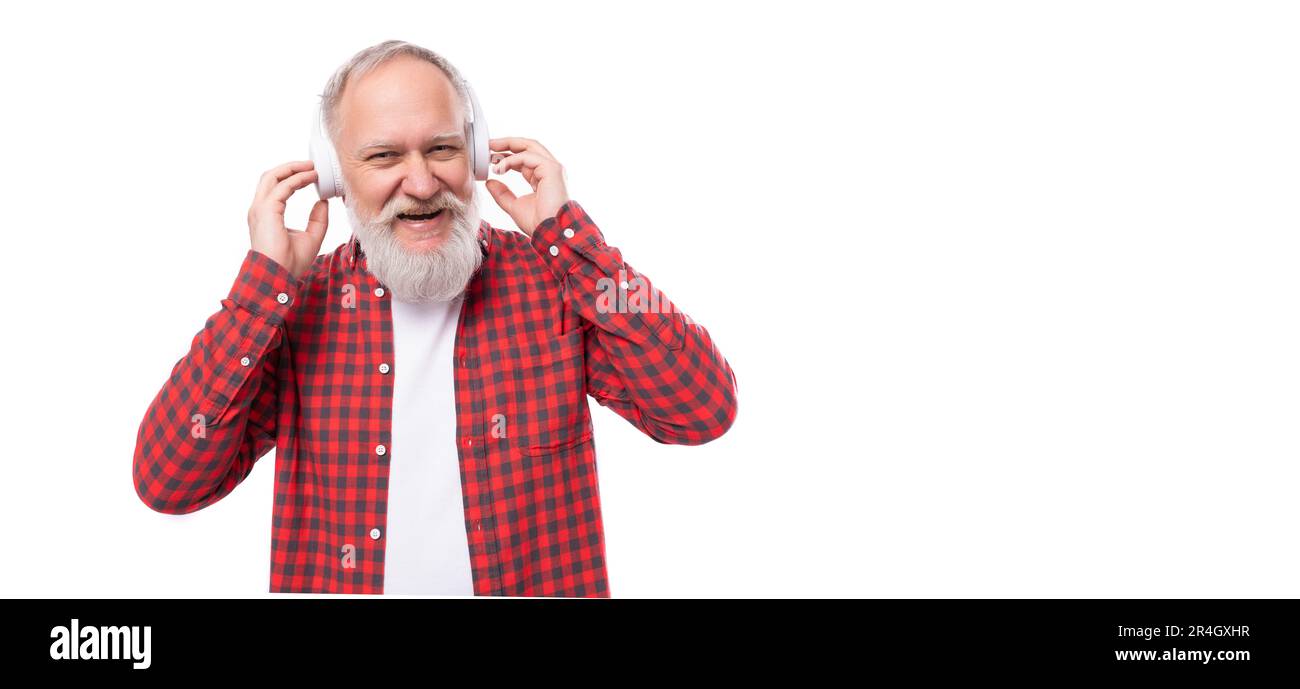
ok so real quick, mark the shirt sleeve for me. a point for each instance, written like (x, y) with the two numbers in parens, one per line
(215, 415)
(646, 360)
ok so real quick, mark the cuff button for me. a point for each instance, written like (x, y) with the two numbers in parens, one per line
(555, 251)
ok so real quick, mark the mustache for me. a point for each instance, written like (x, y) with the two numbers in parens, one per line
(445, 202)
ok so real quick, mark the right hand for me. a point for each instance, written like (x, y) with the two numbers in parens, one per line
(293, 249)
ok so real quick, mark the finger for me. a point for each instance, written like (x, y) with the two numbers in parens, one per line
(292, 183)
(533, 166)
(498, 157)
(273, 176)
(525, 170)
(518, 144)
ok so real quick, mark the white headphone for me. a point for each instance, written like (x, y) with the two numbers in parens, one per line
(329, 176)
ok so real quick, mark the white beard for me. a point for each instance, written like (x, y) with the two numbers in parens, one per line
(437, 275)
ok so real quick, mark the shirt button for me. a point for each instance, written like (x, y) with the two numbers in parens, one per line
(374, 534)
(478, 526)
(379, 291)
(380, 449)
(568, 233)
(623, 284)
(383, 368)
(469, 442)
(282, 298)
(555, 251)
(244, 361)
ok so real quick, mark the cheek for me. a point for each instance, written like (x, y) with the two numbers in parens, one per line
(379, 191)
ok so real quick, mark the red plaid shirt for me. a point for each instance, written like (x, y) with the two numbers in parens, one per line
(305, 366)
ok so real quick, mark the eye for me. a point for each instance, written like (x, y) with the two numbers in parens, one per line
(386, 153)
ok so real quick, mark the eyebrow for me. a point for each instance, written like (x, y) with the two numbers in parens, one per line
(380, 143)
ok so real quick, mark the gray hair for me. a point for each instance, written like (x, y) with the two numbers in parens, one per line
(374, 56)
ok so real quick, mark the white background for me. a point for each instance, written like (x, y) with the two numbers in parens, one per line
(1008, 287)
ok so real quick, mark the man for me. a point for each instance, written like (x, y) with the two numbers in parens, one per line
(425, 383)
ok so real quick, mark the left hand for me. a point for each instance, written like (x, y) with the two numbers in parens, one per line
(542, 172)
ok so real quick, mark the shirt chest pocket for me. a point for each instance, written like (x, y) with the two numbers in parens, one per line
(545, 396)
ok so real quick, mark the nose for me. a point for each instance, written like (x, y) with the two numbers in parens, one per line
(419, 182)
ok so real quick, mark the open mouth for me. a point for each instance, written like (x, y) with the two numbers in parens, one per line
(416, 219)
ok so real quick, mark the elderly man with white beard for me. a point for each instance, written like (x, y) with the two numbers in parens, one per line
(424, 385)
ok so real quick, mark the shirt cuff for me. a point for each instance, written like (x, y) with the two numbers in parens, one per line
(264, 287)
(564, 238)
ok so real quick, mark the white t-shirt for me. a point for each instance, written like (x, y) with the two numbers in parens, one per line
(427, 550)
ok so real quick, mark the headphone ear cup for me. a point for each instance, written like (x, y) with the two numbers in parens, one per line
(478, 133)
(325, 159)
(336, 180)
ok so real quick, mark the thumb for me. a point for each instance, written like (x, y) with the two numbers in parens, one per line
(501, 194)
(319, 221)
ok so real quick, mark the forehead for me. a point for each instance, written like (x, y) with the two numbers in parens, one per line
(403, 99)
